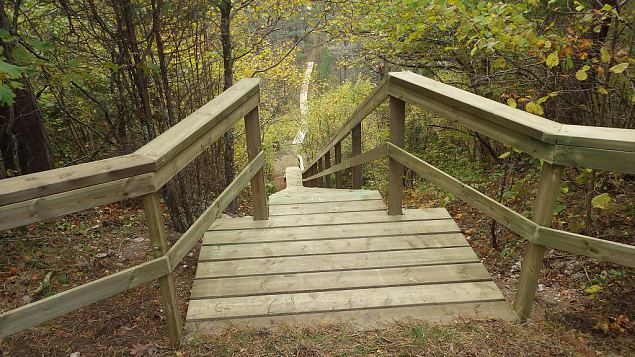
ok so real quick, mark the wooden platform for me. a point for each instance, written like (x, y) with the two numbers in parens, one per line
(328, 255)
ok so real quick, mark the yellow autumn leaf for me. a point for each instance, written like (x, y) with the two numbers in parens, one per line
(512, 102)
(619, 68)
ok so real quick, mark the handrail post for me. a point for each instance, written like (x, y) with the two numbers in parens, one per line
(548, 188)
(314, 182)
(356, 138)
(320, 167)
(395, 177)
(338, 160)
(254, 146)
(159, 243)
(327, 165)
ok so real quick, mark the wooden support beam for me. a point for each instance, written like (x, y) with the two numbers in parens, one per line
(327, 165)
(254, 146)
(338, 160)
(548, 189)
(356, 137)
(159, 242)
(395, 176)
(314, 182)
(320, 168)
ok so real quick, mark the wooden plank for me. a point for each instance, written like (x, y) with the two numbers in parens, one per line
(327, 165)
(180, 136)
(597, 137)
(159, 246)
(330, 232)
(330, 262)
(518, 140)
(600, 249)
(376, 153)
(324, 197)
(341, 300)
(187, 241)
(41, 208)
(254, 147)
(350, 279)
(343, 245)
(356, 138)
(601, 159)
(326, 207)
(338, 159)
(546, 198)
(368, 319)
(503, 215)
(395, 169)
(374, 99)
(181, 159)
(25, 187)
(329, 219)
(498, 114)
(62, 303)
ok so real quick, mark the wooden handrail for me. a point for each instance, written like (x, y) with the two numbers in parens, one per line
(32, 198)
(568, 145)
(39, 196)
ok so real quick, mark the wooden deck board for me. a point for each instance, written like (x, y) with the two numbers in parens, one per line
(333, 246)
(327, 207)
(334, 280)
(328, 219)
(340, 300)
(329, 255)
(330, 232)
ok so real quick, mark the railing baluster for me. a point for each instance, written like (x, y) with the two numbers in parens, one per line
(395, 177)
(320, 167)
(338, 160)
(254, 146)
(159, 243)
(356, 137)
(327, 164)
(548, 188)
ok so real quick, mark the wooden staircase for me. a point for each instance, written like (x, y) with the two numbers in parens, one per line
(331, 254)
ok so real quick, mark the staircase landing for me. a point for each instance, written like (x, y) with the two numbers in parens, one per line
(330, 255)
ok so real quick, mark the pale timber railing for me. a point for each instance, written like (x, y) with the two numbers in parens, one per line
(557, 145)
(36, 197)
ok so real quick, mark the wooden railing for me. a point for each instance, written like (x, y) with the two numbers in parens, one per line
(36, 197)
(557, 145)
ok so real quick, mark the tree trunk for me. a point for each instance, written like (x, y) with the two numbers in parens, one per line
(225, 7)
(24, 145)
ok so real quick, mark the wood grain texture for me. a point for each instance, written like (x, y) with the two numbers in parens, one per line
(503, 215)
(318, 197)
(342, 245)
(25, 187)
(180, 136)
(329, 219)
(327, 207)
(395, 169)
(329, 262)
(62, 303)
(546, 198)
(367, 319)
(330, 232)
(187, 241)
(329, 301)
(337, 280)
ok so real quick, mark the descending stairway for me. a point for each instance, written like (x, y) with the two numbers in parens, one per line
(328, 254)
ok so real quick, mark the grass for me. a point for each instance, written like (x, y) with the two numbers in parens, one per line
(460, 338)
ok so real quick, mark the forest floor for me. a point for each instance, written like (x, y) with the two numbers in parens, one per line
(583, 306)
